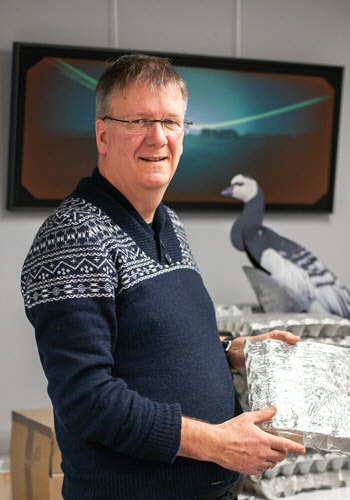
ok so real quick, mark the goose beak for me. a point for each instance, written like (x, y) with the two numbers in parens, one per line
(227, 191)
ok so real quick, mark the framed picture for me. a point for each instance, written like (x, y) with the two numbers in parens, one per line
(275, 121)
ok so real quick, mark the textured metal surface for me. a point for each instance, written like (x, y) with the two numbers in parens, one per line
(319, 326)
(287, 486)
(313, 471)
(310, 385)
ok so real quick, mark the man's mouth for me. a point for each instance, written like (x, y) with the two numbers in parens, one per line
(153, 159)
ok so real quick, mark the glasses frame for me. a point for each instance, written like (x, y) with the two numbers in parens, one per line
(185, 128)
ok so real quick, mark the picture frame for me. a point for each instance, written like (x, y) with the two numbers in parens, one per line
(275, 121)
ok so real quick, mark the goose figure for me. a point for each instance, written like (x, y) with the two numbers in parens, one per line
(286, 276)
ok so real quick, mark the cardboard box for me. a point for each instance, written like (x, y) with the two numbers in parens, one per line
(5, 493)
(5, 485)
(36, 472)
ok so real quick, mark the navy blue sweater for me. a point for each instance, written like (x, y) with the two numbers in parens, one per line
(127, 338)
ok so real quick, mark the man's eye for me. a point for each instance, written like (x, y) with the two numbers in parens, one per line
(140, 121)
(167, 121)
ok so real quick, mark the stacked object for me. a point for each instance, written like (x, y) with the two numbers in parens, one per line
(318, 469)
(317, 326)
(314, 471)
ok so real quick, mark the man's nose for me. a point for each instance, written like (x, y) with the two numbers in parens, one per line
(156, 133)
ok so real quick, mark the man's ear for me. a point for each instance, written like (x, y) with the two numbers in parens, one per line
(101, 137)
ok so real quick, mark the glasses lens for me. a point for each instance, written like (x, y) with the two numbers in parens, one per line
(186, 127)
(139, 126)
(142, 125)
(172, 126)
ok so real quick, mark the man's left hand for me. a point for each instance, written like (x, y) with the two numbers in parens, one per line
(236, 354)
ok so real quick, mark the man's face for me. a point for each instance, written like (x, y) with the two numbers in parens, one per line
(138, 164)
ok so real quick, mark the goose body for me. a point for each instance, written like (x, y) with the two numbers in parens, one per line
(310, 284)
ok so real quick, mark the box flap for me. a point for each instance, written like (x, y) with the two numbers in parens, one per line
(41, 420)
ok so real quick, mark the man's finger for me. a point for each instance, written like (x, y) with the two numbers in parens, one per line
(288, 337)
(263, 415)
(287, 445)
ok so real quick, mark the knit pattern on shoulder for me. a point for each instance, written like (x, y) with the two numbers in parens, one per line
(79, 252)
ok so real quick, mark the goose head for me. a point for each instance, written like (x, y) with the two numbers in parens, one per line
(242, 188)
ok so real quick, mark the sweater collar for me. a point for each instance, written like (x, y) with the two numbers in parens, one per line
(157, 243)
(107, 187)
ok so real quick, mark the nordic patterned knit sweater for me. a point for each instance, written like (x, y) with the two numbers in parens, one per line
(127, 338)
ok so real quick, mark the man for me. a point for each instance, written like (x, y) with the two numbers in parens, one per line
(143, 398)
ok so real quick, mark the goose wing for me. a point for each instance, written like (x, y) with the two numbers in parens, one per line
(271, 295)
(330, 292)
(295, 279)
(297, 269)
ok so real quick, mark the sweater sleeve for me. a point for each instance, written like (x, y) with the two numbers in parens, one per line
(76, 332)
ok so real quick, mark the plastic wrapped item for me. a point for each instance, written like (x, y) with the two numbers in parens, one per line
(309, 383)
(283, 486)
(226, 316)
(312, 461)
(318, 327)
(315, 325)
(314, 470)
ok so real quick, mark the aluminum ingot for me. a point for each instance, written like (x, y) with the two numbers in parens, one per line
(309, 383)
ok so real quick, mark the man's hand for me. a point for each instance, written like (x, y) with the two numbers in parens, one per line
(236, 354)
(238, 444)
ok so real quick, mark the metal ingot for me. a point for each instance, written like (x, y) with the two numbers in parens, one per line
(309, 383)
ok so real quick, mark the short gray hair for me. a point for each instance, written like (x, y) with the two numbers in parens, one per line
(157, 72)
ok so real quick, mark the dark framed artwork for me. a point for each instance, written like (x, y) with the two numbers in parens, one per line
(275, 121)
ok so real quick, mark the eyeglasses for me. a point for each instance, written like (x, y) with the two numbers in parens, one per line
(140, 126)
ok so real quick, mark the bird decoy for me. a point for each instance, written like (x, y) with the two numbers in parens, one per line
(286, 276)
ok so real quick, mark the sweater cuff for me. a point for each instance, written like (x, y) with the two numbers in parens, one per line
(164, 438)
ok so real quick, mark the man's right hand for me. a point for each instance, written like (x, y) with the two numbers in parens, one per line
(237, 444)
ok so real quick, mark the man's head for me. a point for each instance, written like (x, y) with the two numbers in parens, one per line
(140, 100)
(155, 72)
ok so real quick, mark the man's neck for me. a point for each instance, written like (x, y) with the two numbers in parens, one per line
(145, 205)
(145, 202)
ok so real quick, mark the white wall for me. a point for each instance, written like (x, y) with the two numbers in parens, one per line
(316, 31)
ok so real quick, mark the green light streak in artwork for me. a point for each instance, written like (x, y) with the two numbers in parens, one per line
(75, 74)
(89, 82)
(266, 114)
